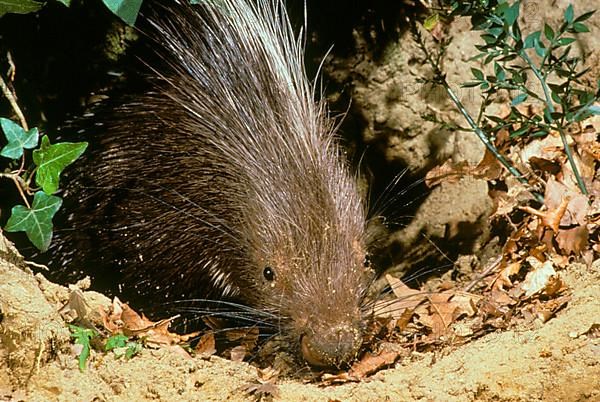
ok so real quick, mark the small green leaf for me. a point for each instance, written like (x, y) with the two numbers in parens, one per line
(133, 348)
(431, 21)
(548, 32)
(539, 48)
(489, 39)
(36, 221)
(555, 97)
(52, 159)
(580, 27)
(519, 99)
(127, 10)
(569, 14)
(478, 74)
(531, 39)
(511, 14)
(584, 16)
(65, 2)
(565, 41)
(19, 6)
(499, 71)
(522, 130)
(595, 110)
(17, 138)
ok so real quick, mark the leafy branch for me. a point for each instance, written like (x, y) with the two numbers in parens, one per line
(34, 218)
(512, 59)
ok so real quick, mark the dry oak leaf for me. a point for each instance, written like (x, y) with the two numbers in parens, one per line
(406, 299)
(206, 346)
(574, 240)
(577, 208)
(549, 148)
(502, 280)
(438, 314)
(551, 218)
(371, 363)
(543, 278)
(265, 385)
(448, 172)
(122, 318)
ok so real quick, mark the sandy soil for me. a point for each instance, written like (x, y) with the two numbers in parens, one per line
(554, 361)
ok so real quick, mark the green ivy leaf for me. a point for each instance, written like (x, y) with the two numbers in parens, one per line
(82, 337)
(127, 10)
(539, 48)
(18, 139)
(36, 221)
(19, 6)
(133, 348)
(116, 341)
(52, 159)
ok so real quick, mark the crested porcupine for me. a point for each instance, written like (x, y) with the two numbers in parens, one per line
(224, 181)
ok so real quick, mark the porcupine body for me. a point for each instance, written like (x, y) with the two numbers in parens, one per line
(224, 181)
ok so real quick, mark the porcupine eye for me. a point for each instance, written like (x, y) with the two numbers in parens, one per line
(367, 261)
(269, 274)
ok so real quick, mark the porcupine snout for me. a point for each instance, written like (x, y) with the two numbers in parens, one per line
(331, 346)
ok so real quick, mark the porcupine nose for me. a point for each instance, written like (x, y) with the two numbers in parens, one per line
(332, 346)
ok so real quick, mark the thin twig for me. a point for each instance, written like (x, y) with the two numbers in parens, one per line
(19, 183)
(13, 103)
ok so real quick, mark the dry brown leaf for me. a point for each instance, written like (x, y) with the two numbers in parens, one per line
(489, 168)
(262, 390)
(499, 299)
(338, 378)
(574, 240)
(439, 314)
(465, 304)
(206, 346)
(406, 299)
(502, 280)
(75, 307)
(238, 353)
(542, 277)
(247, 337)
(370, 363)
(552, 217)
(549, 148)
(448, 172)
(122, 318)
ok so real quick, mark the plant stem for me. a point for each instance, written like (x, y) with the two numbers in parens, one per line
(482, 136)
(18, 180)
(13, 103)
(559, 128)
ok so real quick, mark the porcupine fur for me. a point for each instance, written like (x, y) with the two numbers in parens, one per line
(224, 181)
